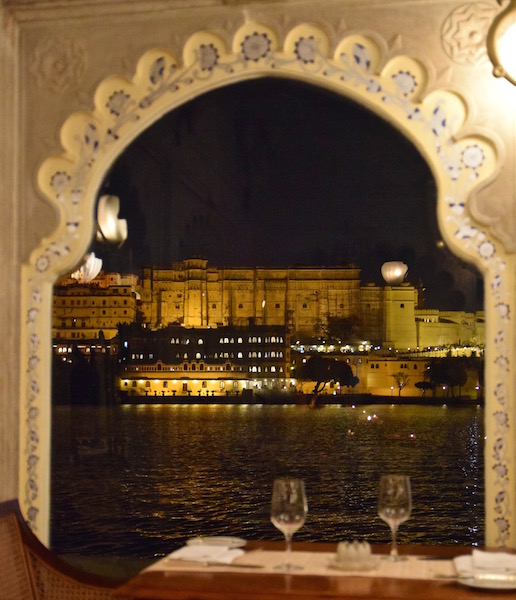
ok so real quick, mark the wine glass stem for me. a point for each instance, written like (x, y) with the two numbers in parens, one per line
(288, 548)
(394, 547)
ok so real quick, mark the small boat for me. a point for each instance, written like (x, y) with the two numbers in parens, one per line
(92, 446)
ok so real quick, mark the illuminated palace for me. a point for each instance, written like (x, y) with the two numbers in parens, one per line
(208, 330)
(193, 294)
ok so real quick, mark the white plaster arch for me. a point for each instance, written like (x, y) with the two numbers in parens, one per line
(397, 87)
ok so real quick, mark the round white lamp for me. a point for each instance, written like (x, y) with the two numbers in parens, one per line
(394, 272)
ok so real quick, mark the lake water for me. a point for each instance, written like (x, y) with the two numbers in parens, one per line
(169, 473)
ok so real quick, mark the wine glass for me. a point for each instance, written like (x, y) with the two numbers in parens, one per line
(394, 505)
(288, 512)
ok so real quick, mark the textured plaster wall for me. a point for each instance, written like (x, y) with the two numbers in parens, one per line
(53, 55)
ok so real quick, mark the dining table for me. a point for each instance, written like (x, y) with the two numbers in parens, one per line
(426, 572)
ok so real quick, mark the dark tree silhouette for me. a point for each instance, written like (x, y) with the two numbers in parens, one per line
(322, 370)
(401, 378)
(450, 371)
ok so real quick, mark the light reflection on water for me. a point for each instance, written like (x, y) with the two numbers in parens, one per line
(173, 472)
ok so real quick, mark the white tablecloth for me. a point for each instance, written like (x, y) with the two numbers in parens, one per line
(319, 563)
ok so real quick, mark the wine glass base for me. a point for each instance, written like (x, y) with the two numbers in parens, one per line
(288, 568)
(395, 558)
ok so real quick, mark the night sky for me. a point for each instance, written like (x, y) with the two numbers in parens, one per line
(273, 172)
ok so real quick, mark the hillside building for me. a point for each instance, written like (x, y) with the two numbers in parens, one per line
(203, 361)
(89, 311)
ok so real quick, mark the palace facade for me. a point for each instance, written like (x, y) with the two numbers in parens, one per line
(193, 294)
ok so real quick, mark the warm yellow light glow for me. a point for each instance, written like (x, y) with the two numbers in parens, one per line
(110, 227)
(501, 43)
(507, 50)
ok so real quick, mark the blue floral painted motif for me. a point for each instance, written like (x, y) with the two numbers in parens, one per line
(91, 137)
(305, 49)
(487, 249)
(503, 310)
(373, 86)
(59, 181)
(256, 46)
(117, 102)
(42, 263)
(473, 157)
(361, 56)
(438, 121)
(157, 70)
(208, 57)
(405, 82)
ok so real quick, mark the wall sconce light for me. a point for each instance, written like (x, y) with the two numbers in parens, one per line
(110, 227)
(501, 42)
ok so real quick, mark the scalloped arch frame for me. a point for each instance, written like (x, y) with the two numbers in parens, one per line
(396, 87)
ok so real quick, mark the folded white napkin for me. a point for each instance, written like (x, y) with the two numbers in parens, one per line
(207, 553)
(481, 561)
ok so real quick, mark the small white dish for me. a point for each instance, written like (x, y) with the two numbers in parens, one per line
(355, 565)
(490, 581)
(217, 540)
